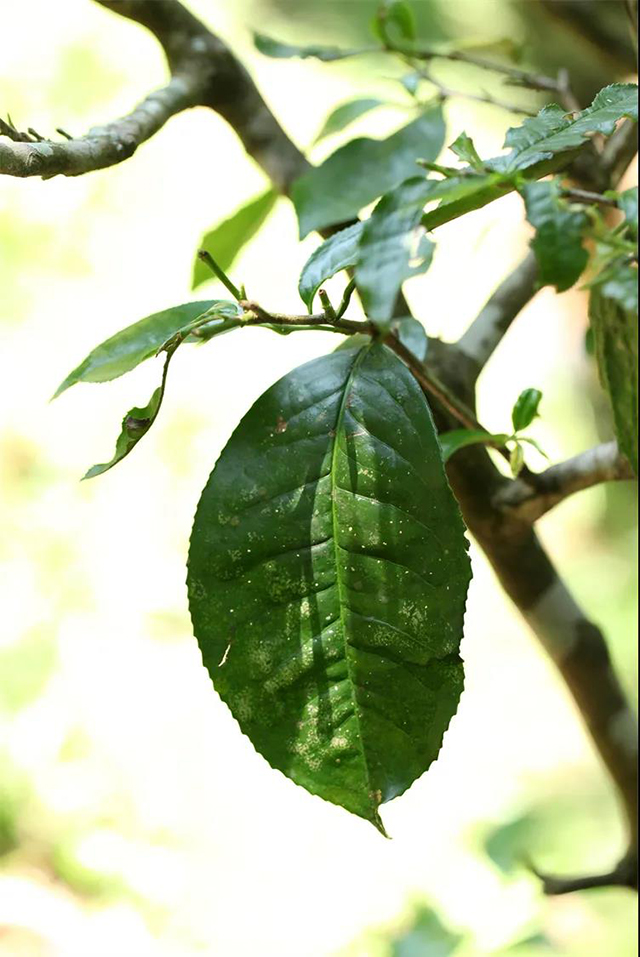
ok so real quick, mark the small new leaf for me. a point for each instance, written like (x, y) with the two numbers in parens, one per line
(456, 439)
(516, 460)
(464, 148)
(525, 409)
(395, 16)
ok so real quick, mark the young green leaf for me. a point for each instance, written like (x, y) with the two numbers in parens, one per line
(525, 408)
(327, 579)
(362, 170)
(554, 131)
(286, 51)
(615, 331)
(395, 16)
(336, 253)
(464, 148)
(516, 460)
(387, 248)
(559, 230)
(135, 424)
(347, 113)
(225, 240)
(451, 442)
(131, 346)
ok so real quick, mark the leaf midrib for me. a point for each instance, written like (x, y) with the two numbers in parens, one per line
(341, 594)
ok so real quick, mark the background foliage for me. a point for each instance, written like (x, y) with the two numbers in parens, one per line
(132, 814)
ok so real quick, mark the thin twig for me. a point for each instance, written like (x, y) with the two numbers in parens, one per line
(484, 97)
(588, 197)
(517, 76)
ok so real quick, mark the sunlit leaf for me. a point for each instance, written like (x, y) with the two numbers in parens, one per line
(525, 408)
(347, 113)
(362, 170)
(327, 579)
(225, 240)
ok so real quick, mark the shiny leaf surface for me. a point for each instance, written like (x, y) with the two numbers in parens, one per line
(555, 131)
(327, 579)
(336, 253)
(131, 346)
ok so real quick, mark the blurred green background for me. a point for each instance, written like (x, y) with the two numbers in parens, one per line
(135, 819)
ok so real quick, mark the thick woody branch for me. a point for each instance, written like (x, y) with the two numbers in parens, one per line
(487, 330)
(531, 497)
(102, 146)
(204, 72)
(625, 874)
(575, 644)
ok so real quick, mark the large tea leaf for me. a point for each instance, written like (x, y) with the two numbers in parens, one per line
(327, 579)
(131, 346)
(364, 169)
(615, 332)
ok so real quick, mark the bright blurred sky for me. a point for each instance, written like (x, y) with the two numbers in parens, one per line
(124, 760)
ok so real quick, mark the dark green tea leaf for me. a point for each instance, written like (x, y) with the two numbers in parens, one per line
(327, 579)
